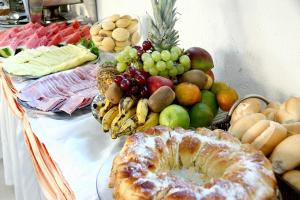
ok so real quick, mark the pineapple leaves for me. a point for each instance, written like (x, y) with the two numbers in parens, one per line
(162, 33)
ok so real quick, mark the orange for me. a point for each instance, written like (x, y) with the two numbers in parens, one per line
(226, 98)
(187, 94)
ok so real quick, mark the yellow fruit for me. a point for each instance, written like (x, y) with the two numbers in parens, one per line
(226, 98)
(209, 83)
(187, 94)
(218, 86)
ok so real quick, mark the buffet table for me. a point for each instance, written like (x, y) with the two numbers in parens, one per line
(66, 151)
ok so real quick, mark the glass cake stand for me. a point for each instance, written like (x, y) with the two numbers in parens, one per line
(102, 181)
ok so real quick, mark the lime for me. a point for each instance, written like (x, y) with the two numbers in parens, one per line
(201, 115)
(210, 99)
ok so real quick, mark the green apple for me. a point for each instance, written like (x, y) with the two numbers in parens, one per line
(174, 116)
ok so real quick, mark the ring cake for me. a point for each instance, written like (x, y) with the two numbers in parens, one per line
(174, 164)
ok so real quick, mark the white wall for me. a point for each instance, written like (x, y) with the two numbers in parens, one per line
(255, 44)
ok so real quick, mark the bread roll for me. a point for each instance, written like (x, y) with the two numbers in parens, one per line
(270, 137)
(292, 106)
(289, 111)
(242, 125)
(273, 104)
(286, 155)
(255, 131)
(247, 107)
(270, 113)
(292, 128)
(282, 116)
(293, 178)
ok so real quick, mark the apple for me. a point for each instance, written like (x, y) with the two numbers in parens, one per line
(174, 116)
(155, 82)
(200, 59)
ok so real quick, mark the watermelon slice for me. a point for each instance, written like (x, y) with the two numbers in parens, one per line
(68, 31)
(32, 41)
(85, 32)
(55, 40)
(73, 39)
(53, 31)
(42, 31)
(75, 24)
(43, 41)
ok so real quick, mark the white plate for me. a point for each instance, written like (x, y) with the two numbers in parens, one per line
(104, 192)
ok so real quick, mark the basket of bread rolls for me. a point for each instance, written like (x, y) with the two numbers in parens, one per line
(273, 128)
(114, 33)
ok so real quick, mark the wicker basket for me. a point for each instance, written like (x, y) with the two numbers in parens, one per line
(222, 121)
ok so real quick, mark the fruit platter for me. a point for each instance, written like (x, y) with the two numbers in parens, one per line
(158, 83)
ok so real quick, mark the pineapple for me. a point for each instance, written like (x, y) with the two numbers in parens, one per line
(162, 34)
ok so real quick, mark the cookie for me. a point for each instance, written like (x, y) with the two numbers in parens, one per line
(113, 18)
(133, 27)
(122, 44)
(125, 17)
(97, 38)
(108, 43)
(104, 33)
(108, 25)
(95, 29)
(122, 23)
(120, 34)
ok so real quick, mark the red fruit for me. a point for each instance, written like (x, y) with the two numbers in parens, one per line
(140, 50)
(126, 76)
(211, 74)
(118, 79)
(145, 74)
(131, 71)
(134, 89)
(140, 79)
(125, 84)
(200, 59)
(68, 31)
(145, 92)
(55, 40)
(147, 45)
(155, 82)
(75, 24)
(73, 39)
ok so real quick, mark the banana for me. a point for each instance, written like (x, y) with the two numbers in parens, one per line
(125, 104)
(108, 105)
(152, 120)
(142, 111)
(127, 127)
(117, 123)
(100, 104)
(109, 117)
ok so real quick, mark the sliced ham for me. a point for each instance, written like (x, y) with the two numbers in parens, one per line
(65, 91)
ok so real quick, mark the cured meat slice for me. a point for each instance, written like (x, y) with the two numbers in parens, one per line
(64, 91)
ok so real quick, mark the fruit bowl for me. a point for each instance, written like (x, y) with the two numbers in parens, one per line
(94, 103)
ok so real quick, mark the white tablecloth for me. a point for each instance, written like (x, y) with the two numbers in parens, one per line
(76, 144)
(18, 168)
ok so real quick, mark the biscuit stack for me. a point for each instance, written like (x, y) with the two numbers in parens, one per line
(116, 32)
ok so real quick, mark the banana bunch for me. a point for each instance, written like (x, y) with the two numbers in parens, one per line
(127, 117)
